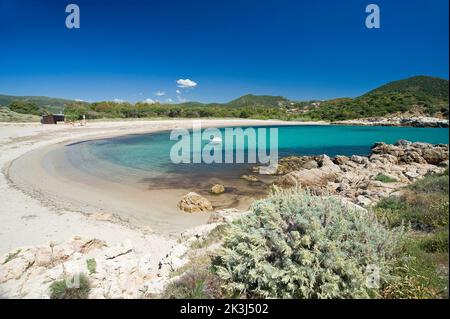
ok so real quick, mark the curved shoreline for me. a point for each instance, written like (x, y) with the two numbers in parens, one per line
(26, 173)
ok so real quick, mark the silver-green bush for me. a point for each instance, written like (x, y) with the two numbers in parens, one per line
(295, 245)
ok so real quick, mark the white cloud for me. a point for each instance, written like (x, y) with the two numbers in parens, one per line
(169, 100)
(178, 91)
(149, 101)
(118, 101)
(160, 93)
(79, 100)
(186, 83)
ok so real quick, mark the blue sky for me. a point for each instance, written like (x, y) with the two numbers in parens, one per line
(130, 50)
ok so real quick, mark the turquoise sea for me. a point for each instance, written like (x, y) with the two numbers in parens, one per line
(149, 154)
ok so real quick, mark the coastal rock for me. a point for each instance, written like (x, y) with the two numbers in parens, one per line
(44, 256)
(217, 189)
(415, 121)
(412, 175)
(355, 178)
(194, 203)
(305, 178)
(411, 156)
(250, 178)
(310, 164)
(363, 201)
(119, 250)
(359, 159)
(341, 160)
(327, 165)
(444, 163)
(408, 152)
(435, 155)
(226, 215)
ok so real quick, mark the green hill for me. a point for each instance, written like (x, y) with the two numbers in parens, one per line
(419, 95)
(417, 85)
(54, 105)
(259, 100)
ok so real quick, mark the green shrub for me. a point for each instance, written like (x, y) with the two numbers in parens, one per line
(195, 283)
(295, 245)
(416, 275)
(385, 179)
(70, 288)
(24, 107)
(432, 183)
(91, 265)
(424, 205)
(436, 242)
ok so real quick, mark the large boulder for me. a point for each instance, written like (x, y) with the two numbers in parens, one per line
(412, 156)
(360, 159)
(194, 203)
(341, 160)
(217, 189)
(327, 165)
(395, 150)
(435, 155)
(408, 152)
(305, 178)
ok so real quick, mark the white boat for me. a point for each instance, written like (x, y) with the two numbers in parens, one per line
(216, 140)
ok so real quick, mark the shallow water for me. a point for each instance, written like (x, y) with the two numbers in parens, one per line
(146, 157)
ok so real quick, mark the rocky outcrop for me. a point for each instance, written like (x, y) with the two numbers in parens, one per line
(365, 179)
(416, 121)
(407, 152)
(305, 178)
(194, 203)
(120, 271)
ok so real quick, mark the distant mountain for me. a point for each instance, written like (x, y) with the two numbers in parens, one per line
(419, 95)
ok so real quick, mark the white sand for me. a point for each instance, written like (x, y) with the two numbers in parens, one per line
(28, 219)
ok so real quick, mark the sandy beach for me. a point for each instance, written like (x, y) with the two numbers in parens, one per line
(41, 203)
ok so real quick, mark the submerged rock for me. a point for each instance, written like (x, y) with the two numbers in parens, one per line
(194, 203)
(217, 189)
(250, 178)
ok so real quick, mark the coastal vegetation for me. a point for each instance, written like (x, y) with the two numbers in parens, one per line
(6, 115)
(421, 95)
(424, 95)
(422, 269)
(293, 246)
(74, 287)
